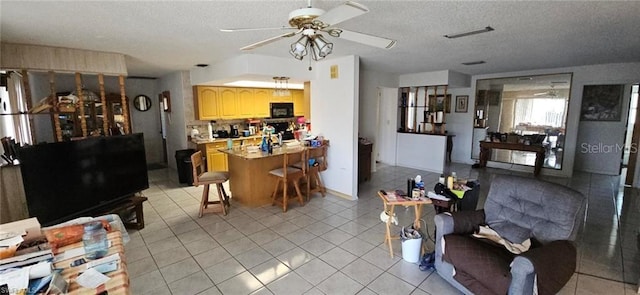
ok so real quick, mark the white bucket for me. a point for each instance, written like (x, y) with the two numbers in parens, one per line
(411, 250)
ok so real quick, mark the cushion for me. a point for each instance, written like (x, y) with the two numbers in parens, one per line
(280, 171)
(480, 266)
(214, 176)
(511, 232)
(467, 222)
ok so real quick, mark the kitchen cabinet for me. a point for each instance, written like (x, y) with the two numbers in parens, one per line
(298, 102)
(206, 102)
(228, 103)
(213, 103)
(216, 160)
(262, 99)
(278, 98)
(246, 102)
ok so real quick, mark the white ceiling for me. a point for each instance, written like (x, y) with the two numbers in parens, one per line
(162, 37)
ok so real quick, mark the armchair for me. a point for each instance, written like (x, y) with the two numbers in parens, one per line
(517, 208)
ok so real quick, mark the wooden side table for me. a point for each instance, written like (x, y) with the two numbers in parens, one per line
(389, 206)
(119, 282)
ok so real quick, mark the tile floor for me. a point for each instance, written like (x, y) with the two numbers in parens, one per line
(334, 246)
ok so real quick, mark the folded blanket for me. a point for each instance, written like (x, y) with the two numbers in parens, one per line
(485, 232)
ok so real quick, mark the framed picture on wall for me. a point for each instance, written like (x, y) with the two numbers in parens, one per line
(601, 102)
(462, 103)
(440, 102)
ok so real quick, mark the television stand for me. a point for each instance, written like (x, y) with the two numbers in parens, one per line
(125, 210)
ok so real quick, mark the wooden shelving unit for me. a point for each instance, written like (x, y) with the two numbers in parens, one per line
(423, 109)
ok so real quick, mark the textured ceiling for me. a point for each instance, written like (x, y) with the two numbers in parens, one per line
(161, 37)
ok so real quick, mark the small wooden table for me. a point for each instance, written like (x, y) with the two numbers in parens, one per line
(389, 206)
(487, 146)
(119, 279)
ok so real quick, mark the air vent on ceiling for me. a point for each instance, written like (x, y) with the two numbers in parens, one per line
(202, 65)
(464, 34)
(470, 63)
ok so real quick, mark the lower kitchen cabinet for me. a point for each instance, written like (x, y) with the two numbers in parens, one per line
(216, 160)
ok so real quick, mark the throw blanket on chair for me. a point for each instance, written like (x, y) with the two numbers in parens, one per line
(485, 232)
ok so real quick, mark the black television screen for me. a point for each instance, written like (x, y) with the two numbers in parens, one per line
(65, 180)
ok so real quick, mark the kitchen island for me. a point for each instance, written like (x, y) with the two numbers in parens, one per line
(249, 179)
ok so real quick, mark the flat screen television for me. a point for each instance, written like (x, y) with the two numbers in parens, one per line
(65, 180)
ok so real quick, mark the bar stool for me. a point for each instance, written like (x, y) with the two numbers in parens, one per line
(207, 178)
(316, 161)
(289, 174)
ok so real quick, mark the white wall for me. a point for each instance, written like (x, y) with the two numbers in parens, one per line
(424, 79)
(590, 133)
(249, 65)
(369, 107)
(179, 86)
(460, 125)
(334, 109)
(146, 122)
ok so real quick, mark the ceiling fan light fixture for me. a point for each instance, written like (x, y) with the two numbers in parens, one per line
(324, 48)
(299, 48)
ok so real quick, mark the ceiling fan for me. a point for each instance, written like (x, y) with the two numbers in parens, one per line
(310, 22)
(551, 92)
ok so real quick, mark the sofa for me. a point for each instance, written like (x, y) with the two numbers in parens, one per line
(522, 211)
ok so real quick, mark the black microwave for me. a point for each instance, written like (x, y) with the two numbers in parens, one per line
(282, 110)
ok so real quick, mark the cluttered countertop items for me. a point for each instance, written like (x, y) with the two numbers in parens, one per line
(82, 255)
(287, 128)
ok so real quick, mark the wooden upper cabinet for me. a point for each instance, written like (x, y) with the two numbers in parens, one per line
(281, 98)
(262, 99)
(246, 102)
(228, 103)
(298, 102)
(207, 102)
(213, 103)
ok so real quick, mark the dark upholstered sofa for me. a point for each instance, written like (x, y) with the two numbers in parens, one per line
(517, 208)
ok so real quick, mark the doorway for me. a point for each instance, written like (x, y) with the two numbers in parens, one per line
(163, 129)
(631, 141)
(387, 126)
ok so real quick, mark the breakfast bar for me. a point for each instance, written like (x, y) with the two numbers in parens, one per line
(249, 179)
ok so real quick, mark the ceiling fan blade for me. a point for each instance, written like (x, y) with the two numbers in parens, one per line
(270, 40)
(346, 11)
(256, 29)
(370, 40)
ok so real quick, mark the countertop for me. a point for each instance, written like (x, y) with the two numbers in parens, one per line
(427, 133)
(242, 153)
(214, 140)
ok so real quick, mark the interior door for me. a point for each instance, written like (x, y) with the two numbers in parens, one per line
(387, 123)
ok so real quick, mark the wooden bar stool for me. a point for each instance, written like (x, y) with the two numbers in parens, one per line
(289, 174)
(207, 178)
(316, 161)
